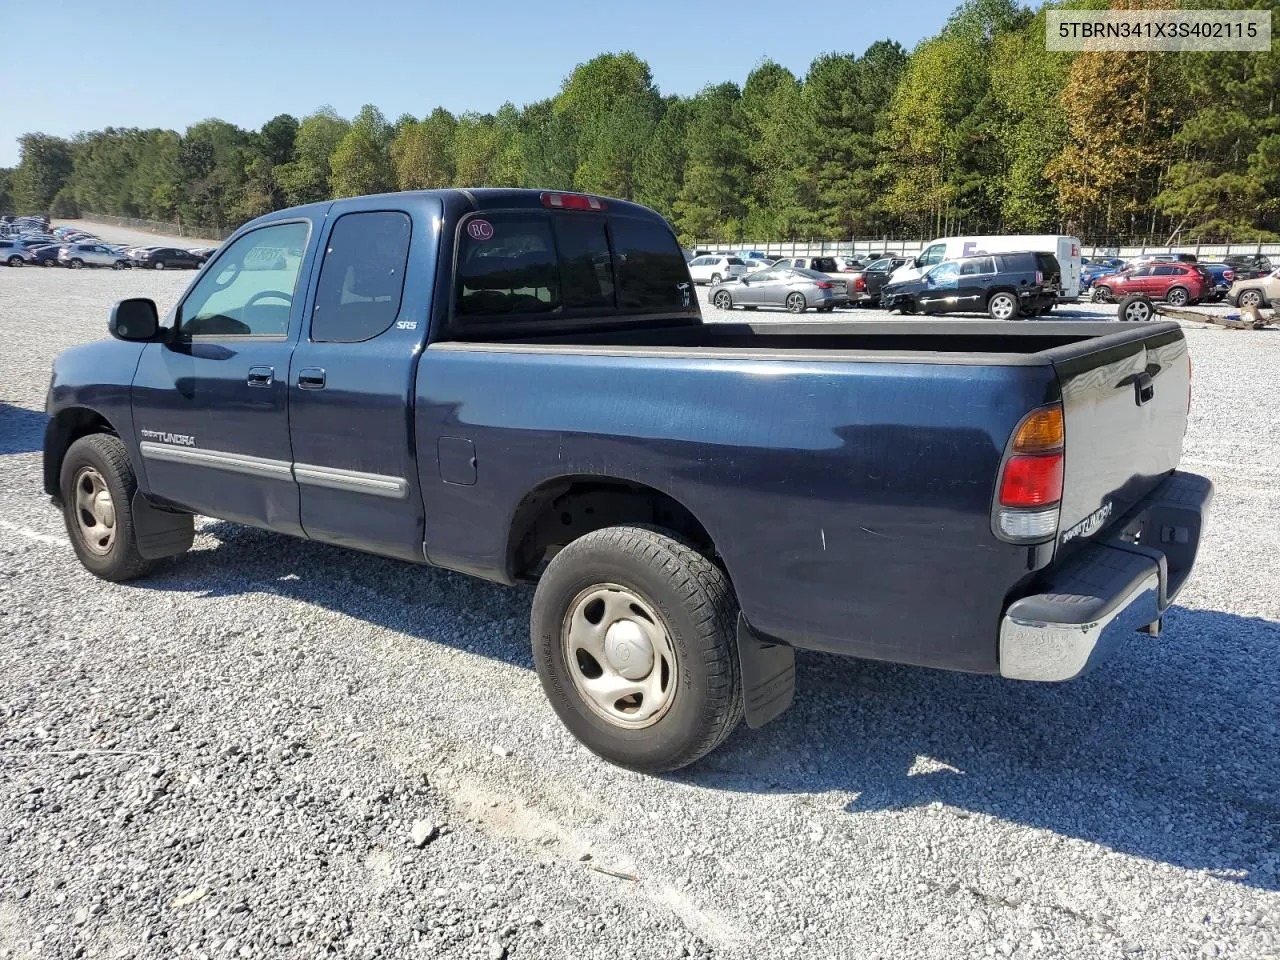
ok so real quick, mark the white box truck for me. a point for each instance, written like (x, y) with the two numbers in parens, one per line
(1066, 249)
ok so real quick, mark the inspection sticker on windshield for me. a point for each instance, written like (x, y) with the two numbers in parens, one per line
(480, 230)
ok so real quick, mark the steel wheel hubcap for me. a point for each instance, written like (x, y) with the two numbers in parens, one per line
(95, 511)
(619, 656)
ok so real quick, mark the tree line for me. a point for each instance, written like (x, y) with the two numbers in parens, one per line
(978, 129)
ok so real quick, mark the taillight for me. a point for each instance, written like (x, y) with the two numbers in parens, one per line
(572, 201)
(860, 284)
(1039, 277)
(1228, 275)
(823, 285)
(1030, 488)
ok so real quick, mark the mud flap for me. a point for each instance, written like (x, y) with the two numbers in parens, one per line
(768, 675)
(160, 533)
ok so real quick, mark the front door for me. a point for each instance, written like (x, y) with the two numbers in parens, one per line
(351, 382)
(210, 407)
(941, 286)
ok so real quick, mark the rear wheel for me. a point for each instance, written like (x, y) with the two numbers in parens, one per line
(722, 300)
(1177, 296)
(159, 265)
(97, 485)
(1100, 295)
(635, 646)
(119, 265)
(1002, 306)
(716, 278)
(796, 302)
(76, 263)
(14, 261)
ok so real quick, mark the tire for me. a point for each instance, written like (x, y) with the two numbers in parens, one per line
(15, 261)
(1250, 298)
(826, 309)
(722, 300)
(1135, 308)
(48, 263)
(796, 303)
(76, 264)
(1100, 294)
(119, 265)
(159, 265)
(1003, 305)
(1177, 296)
(101, 532)
(667, 590)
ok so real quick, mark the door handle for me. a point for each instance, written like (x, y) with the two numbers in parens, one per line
(311, 378)
(262, 376)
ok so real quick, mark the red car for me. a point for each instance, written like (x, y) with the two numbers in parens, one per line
(1177, 283)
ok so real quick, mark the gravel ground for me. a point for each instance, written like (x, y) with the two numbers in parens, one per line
(230, 758)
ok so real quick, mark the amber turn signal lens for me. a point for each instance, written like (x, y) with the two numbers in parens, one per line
(1040, 432)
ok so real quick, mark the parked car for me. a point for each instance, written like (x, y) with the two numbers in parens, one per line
(849, 265)
(1090, 272)
(1221, 276)
(1249, 265)
(877, 274)
(77, 255)
(1005, 285)
(971, 505)
(755, 266)
(160, 258)
(829, 266)
(1066, 250)
(47, 256)
(715, 267)
(1255, 291)
(18, 252)
(204, 253)
(793, 289)
(1177, 283)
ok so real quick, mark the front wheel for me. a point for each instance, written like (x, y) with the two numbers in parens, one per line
(119, 265)
(722, 300)
(159, 265)
(76, 264)
(15, 261)
(1100, 295)
(796, 303)
(97, 486)
(1250, 298)
(634, 642)
(1002, 306)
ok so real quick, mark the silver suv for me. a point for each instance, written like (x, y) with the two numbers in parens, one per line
(77, 255)
(17, 251)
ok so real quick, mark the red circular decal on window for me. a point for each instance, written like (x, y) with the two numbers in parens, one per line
(480, 230)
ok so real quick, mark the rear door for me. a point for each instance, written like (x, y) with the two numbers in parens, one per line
(1124, 401)
(351, 379)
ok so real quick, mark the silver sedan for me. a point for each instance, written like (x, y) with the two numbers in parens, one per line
(784, 288)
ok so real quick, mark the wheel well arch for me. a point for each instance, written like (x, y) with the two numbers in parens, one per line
(562, 509)
(65, 428)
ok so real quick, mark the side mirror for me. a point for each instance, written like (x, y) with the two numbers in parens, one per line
(916, 263)
(136, 320)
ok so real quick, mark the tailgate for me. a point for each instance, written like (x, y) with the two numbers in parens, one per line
(1124, 403)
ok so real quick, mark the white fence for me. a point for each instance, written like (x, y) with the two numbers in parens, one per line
(866, 250)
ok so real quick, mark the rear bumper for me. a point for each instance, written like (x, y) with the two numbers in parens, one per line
(1111, 588)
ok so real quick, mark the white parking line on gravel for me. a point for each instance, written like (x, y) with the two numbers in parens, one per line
(35, 535)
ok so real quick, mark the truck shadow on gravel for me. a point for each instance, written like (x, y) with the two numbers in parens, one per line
(1170, 751)
(21, 430)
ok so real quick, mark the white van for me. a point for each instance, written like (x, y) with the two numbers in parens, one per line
(1066, 249)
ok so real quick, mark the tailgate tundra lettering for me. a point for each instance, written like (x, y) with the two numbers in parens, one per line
(1090, 524)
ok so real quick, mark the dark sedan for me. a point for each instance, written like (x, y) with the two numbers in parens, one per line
(161, 258)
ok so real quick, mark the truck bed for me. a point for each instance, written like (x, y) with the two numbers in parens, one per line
(948, 341)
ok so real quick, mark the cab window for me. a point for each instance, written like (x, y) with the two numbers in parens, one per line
(933, 255)
(249, 290)
(362, 277)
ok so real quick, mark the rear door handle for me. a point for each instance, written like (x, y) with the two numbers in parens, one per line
(311, 378)
(261, 376)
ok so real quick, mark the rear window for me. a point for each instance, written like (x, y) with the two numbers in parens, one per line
(1048, 265)
(825, 265)
(531, 266)
(735, 262)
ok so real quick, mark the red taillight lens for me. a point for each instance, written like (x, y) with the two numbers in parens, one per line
(823, 285)
(860, 284)
(1032, 480)
(572, 201)
(1228, 275)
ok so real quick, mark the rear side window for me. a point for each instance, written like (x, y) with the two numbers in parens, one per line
(1168, 271)
(979, 265)
(1014, 262)
(652, 276)
(514, 266)
(362, 277)
(507, 266)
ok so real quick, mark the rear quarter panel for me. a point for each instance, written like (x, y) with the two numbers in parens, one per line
(850, 501)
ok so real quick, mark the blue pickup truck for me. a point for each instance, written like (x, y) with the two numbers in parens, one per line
(518, 385)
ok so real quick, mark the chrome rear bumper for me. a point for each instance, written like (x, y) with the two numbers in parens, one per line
(1110, 588)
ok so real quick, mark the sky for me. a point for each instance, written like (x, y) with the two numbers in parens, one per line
(162, 64)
